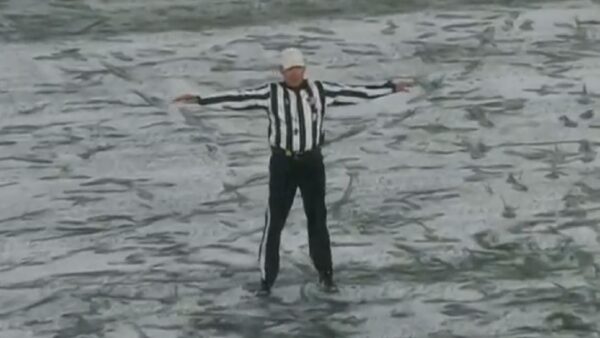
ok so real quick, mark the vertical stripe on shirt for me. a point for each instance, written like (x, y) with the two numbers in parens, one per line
(314, 114)
(276, 133)
(295, 117)
(301, 119)
(288, 119)
(322, 102)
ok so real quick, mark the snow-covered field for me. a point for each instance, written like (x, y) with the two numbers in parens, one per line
(469, 207)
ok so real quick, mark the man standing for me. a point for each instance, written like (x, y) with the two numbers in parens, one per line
(295, 108)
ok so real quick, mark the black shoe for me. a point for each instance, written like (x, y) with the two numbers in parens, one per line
(264, 289)
(327, 283)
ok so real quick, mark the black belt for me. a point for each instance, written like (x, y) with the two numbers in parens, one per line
(295, 154)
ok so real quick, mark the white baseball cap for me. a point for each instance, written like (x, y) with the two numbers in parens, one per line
(291, 57)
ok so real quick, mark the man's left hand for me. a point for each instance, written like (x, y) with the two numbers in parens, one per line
(402, 86)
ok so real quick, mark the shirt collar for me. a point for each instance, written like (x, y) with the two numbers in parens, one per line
(303, 85)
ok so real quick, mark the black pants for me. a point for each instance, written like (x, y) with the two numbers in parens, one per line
(286, 174)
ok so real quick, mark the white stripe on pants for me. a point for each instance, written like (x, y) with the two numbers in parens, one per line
(262, 261)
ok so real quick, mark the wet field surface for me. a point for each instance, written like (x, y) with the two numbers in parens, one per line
(467, 208)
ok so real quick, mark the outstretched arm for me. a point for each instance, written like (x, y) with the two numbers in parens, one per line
(236, 99)
(343, 94)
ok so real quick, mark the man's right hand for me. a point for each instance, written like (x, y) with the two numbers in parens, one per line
(186, 98)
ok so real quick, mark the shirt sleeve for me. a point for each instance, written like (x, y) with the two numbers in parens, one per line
(343, 94)
(242, 99)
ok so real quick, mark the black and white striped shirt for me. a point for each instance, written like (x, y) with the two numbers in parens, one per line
(296, 115)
